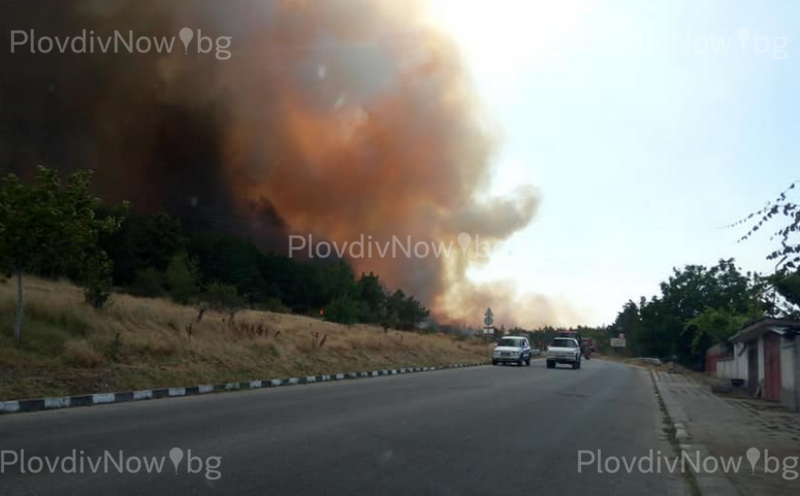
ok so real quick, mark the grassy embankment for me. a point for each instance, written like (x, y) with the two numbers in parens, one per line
(138, 343)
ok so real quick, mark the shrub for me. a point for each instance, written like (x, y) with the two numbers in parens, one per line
(221, 297)
(274, 305)
(182, 278)
(148, 282)
(114, 348)
(97, 281)
(342, 311)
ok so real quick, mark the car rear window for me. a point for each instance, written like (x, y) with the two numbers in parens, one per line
(564, 343)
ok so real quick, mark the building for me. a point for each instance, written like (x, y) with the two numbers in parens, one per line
(765, 355)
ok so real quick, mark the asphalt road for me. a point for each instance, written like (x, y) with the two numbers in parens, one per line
(477, 431)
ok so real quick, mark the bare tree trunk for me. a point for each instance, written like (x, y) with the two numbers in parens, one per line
(20, 301)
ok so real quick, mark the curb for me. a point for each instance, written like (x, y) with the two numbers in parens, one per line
(709, 484)
(56, 403)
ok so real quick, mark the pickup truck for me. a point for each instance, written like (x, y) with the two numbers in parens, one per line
(564, 350)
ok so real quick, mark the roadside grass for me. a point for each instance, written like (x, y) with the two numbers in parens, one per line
(67, 347)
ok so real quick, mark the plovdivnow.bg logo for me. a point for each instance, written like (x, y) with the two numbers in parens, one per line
(366, 247)
(118, 42)
(109, 463)
(658, 463)
(687, 42)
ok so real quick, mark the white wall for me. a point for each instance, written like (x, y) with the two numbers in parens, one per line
(735, 367)
(727, 369)
(740, 355)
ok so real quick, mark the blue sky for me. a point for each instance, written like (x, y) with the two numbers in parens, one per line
(645, 127)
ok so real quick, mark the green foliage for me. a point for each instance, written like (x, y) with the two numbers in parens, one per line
(143, 243)
(391, 321)
(114, 348)
(410, 312)
(52, 228)
(272, 350)
(370, 292)
(787, 284)
(717, 325)
(182, 279)
(48, 225)
(274, 305)
(786, 280)
(788, 255)
(338, 281)
(148, 282)
(343, 310)
(234, 262)
(97, 281)
(221, 297)
(154, 254)
(698, 307)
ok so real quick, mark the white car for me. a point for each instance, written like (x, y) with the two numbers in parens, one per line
(512, 349)
(564, 350)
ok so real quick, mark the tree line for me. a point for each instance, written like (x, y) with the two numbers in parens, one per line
(154, 256)
(703, 306)
(54, 229)
(698, 307)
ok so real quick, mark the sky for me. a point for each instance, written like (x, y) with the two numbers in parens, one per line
(646, 127)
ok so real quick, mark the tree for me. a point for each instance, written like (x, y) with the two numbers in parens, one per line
(220, 297)
(96, 277)
(148, 282)
(786, 280)
(143, 243)
(343, 310)
(629, 323)
(338, 281)
(666, 324)
(410, 312)
(232, 261)
(390, 321)
(787, 284)
(52, 225)
(182, 278)
(717, 325)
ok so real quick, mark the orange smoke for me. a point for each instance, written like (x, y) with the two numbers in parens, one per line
(339, 118)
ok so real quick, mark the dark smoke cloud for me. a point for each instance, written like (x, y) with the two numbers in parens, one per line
(335, 118)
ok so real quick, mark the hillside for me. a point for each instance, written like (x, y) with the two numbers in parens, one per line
(67, 347)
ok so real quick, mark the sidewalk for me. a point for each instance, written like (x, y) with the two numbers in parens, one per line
(727, 427)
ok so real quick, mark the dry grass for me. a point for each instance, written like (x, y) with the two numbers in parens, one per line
(68, 347)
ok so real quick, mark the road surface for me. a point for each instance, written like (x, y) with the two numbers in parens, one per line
(476, 431)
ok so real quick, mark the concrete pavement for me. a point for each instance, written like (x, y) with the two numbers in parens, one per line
(723, 427)
(478, 431)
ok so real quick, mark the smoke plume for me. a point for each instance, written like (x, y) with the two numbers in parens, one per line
(336, 118)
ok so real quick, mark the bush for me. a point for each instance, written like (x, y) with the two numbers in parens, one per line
(97, 281)
(182, 278)
(342, 311)
(223, 297)
(148, 282)
(98, 293)
(114, 348)
(274, 305)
